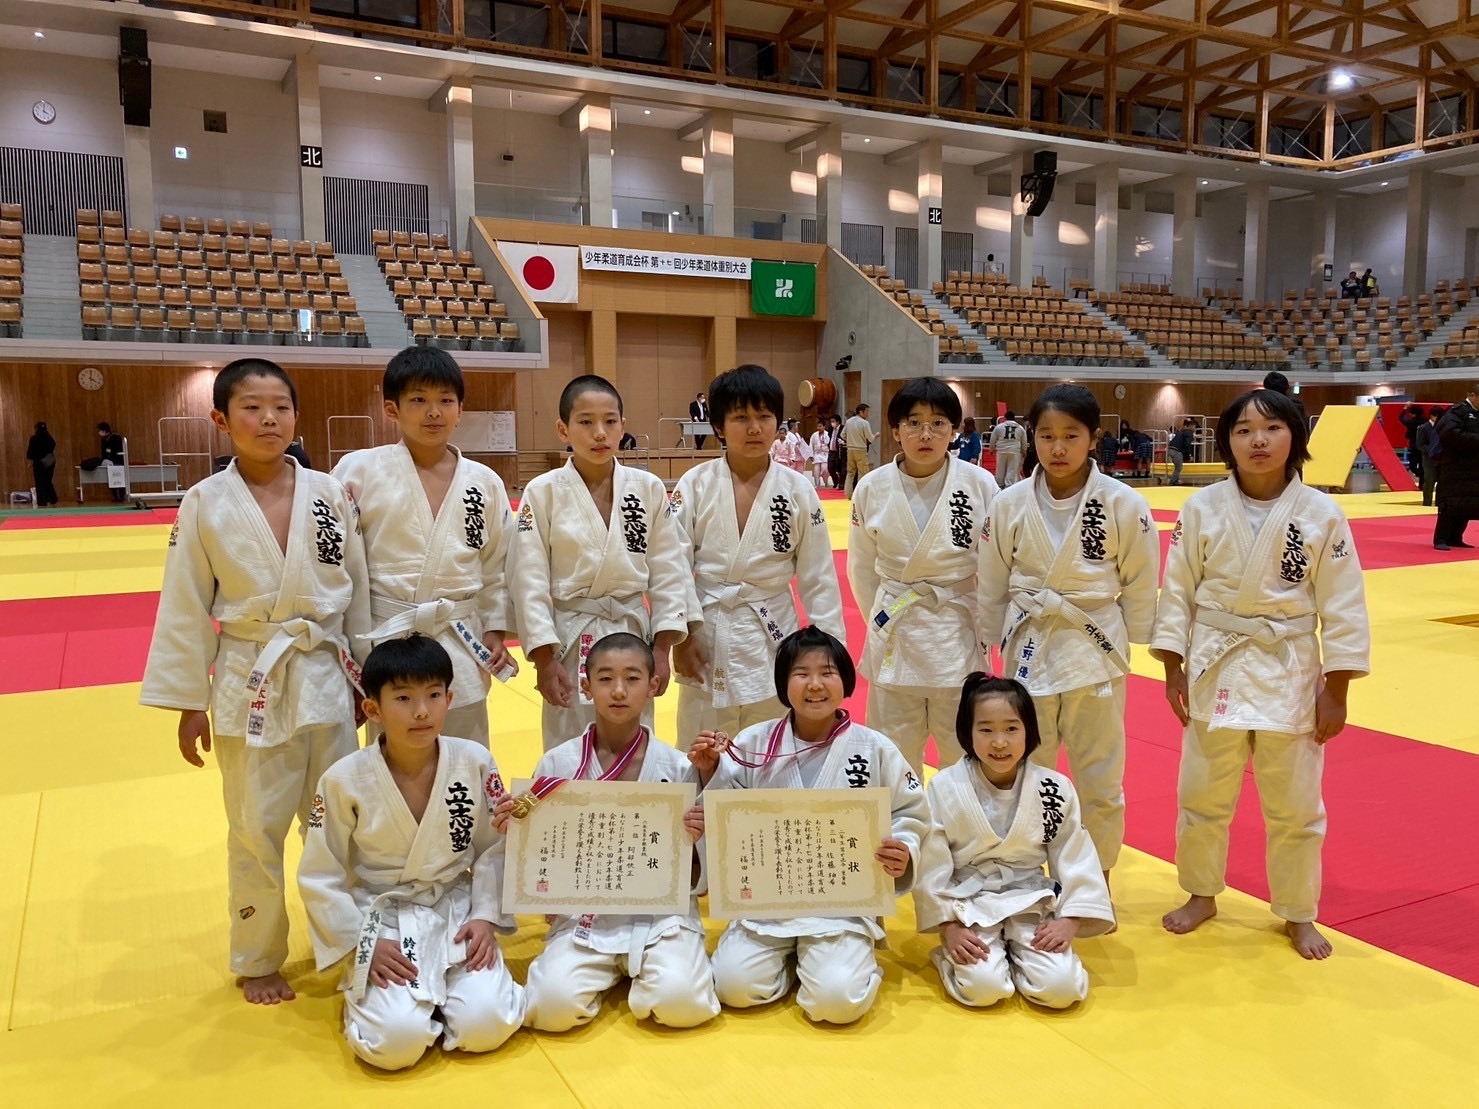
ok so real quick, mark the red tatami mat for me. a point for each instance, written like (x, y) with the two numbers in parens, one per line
(116, 519)
(69, 642)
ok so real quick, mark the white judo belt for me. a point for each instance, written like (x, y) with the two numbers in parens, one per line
(278, 639)
(1238, 630)
(993, 877)
(899, 598)
(1049, 604)
(612, 609)
(428, 618)
(767, 605)
(417, 922)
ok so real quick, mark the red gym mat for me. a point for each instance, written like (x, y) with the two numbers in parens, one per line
(70, 642)
(114, 519)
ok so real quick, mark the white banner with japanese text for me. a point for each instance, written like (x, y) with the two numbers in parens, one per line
(665, 262)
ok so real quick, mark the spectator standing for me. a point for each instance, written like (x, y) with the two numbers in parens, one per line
(41, 453)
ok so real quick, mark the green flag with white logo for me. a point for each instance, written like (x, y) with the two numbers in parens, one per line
(783, 288)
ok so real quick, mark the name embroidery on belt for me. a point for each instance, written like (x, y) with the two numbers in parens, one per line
(1051, 798)
(1093, 536)
(962, 526)
(459, 816)
(634, 523)
(780, 524)
(328, 536)
(1294, 562)
(474, 526)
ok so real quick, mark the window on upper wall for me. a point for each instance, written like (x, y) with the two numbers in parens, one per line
(1155, 121)
(806, 64)
(697, 49)
(630, 41)
(1079, 109)
(855, 75)
(952, 89)
(1445, 116)
(1297, 140)
(394, 13)
(1229, 134)
(508, 21)
(906, 83)
(1352, 137)
(999, 96)
(750, 58)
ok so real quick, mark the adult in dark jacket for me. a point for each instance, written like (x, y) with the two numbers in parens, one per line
(1458, 472)
(112, 451)
(1413, 417)
(1426, 441)
(41, 452)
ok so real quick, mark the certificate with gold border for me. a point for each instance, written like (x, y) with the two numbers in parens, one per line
(774, 854)
(601, 847)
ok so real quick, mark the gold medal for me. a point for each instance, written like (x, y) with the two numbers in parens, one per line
(524, 805)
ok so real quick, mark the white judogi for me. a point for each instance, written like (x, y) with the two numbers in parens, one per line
(741, 590)
(921, 583)
(1009, 441)
(281, 702)
(820, 443)
(991, 880)
(834, 957)
(1242, 611)
(575, 579)
(1066, 616)
(371, 871)
(440, 573)
(583, 957)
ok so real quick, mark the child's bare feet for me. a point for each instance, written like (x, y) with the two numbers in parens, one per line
(1196, 912)
(1307, 939)
(268, 989)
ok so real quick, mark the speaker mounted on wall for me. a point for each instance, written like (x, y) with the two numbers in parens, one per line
(1037, 186)
(135, 80)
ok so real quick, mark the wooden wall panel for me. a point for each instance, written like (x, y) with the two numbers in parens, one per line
(786, 348)
(133, 398)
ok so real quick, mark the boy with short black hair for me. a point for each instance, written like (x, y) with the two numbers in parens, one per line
(593, 540)
(748, 527)
(437, 527)
(272, 553)
(403, 869)
(586, 955)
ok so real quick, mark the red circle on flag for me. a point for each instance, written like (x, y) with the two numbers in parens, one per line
(539, 273)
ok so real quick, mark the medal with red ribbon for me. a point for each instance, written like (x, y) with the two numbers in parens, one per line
(773, 751)
(544, 786)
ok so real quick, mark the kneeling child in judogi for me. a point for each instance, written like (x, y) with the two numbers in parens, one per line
(815, 746)
(1005, 926)
(402, 871)
(585, 955)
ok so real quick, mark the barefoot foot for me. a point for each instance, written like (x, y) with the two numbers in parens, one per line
(268, 989)
(1196, 912)
(1307, 940)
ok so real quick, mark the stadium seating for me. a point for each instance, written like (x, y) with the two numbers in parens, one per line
(444, 295)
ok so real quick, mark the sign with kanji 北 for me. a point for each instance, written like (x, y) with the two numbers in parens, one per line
(783, 288)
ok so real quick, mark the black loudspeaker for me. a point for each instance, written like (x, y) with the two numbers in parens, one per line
(135, 80)
(1037, 186)
(1044, 162)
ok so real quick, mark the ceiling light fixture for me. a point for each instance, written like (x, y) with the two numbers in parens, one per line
(867, 140)
(1383, 184)
(378, 77)
(646, 111)
(1340, 79)
(40, 34)
(1206, 182)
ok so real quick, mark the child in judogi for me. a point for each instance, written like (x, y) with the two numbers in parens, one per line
(749, 526)
(585, 955)
(592, 542)
(272, 554)
(996, 819)
(1256, 563)
(814, 746)
(820, 444)
(911, 559)
(1068, 581)
(402, 872)
(436, 529)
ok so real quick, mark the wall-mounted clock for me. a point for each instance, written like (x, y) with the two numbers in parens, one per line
(1119, 392)
(90, 378)
(43, 111)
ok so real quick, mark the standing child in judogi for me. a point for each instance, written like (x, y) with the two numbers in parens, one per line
(272, 553)
(436, 530)
(911, 559)
(1008, 440)
(820, 445)
(1005, 926)
(1068, 582)
(584, 956)
(402, 871)
(1256, 563)
(592, 542)
(748, 525)
(814, 746)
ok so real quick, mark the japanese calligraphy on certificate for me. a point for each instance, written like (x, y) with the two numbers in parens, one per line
(605, 847)
(780, 853)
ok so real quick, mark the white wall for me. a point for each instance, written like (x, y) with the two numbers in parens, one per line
(84, 92)
(546, 155)
(386, 138)
(251, 172)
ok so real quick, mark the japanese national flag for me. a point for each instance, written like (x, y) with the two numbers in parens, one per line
(548, 273)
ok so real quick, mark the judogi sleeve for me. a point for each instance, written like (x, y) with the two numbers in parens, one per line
(495, 607)
(993, 577)
(178, 673)
(324, 875)
(862, 554)
(669, 575)
(529, 574)
(488, 859)
(1139, 567)
(682, 506)
(356, 565)
(1074, 865)
(816, 571)
(936, 868)
(909, 809)
(1340, 599)
(1178, 603)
